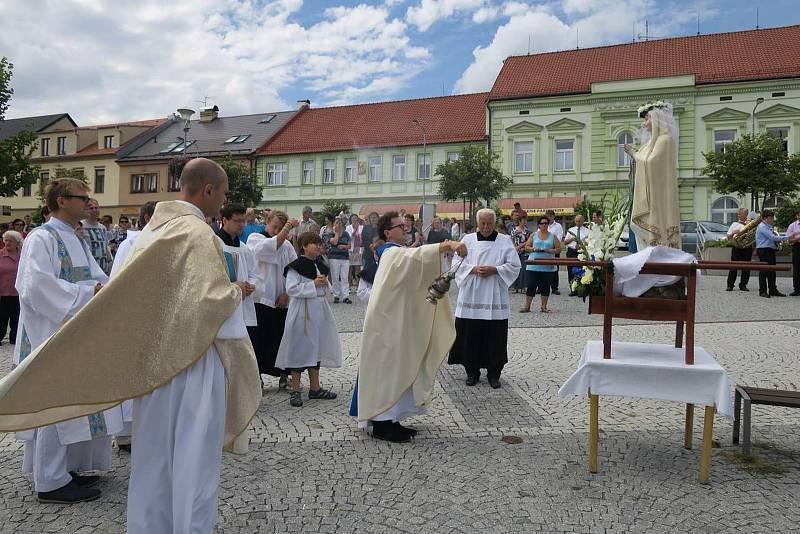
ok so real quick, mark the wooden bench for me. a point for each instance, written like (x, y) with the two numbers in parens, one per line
(747, 396)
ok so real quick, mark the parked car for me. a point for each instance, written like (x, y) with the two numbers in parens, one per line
(622, 242)
(691, 232)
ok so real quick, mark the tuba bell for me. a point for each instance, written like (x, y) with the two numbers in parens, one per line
(746, 237)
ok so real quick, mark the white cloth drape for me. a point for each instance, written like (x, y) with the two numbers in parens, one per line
(627, 280)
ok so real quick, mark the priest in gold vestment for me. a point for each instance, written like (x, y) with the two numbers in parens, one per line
(655, 218)
(185, 358)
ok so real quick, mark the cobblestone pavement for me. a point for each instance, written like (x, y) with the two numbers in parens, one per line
(311, 470)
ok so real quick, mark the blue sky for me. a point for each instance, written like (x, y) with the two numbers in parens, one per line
(126, 60)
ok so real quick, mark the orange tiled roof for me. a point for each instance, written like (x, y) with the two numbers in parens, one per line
(716, 58)
(447, 119)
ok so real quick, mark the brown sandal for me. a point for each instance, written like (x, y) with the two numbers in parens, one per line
(525, 310)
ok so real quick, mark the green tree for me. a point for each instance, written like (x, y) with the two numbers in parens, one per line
(332, 206)
(243, 187)
(757, 166)
(16, 169)
(474, 176)
(586, 207)
(784, 216)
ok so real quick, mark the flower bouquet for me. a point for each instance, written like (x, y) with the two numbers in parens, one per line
(599, 246)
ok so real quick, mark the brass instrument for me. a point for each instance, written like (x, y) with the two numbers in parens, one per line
(746, 237)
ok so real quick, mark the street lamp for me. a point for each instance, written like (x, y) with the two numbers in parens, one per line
(418, 124)
(759, 101)
(185, 114)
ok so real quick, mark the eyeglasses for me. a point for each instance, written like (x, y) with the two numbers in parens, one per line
(84, 198)
(397, 226)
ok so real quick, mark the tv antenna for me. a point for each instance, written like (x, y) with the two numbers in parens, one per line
(205, 100)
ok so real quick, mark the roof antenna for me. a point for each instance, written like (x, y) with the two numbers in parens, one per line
(634, 31)
(577, 42)
(756, 17)
(698, 23)
(646, 29)
(529, 44)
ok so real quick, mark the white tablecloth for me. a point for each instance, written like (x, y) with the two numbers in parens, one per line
(651, 371)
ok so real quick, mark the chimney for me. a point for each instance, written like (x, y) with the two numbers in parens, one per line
(304, 104)
(209, 113)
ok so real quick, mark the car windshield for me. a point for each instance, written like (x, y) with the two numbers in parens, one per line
(711, 226)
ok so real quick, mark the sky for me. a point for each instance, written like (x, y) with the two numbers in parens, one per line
(106, 61)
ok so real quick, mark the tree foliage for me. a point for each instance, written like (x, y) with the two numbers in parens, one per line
(243, 187)
(757, 166)
(16, 169)
(474, 175)
(331, 206)
(785, 215)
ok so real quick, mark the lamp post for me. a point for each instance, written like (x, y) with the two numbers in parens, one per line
(418, 124)
(185, 114)
(759, 101)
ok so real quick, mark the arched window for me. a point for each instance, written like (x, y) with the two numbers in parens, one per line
(724, 209)
(773, 203)
(623, 159)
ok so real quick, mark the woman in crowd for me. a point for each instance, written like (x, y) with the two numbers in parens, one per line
(519, 236)
(354, 229)
(541, 244)
(337, 241)
(9, 299)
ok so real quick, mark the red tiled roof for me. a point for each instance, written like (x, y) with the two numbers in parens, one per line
(716, 58)
(447, 119)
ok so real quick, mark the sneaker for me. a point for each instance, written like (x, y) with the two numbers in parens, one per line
(69, 494)
(321, 393)
(283, 381)
(295, 399)
(336, 300)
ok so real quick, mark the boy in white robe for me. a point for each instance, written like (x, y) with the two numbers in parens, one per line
(57, 277)
(310, 339)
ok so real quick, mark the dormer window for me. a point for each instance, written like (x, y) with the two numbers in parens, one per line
(266, 119)
(108, 141)
(237, 139)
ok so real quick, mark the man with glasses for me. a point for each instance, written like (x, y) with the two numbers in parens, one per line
(18, 225)
(96, 236)
(57, 277)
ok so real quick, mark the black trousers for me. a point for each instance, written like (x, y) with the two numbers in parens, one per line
(796, 267)
(767, 279)
(571, 253)
(9, 316)
(554, 282)
(740, 254)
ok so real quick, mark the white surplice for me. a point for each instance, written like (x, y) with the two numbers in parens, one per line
(486, 298)
(178, 433)
(46, 303)
(310, 335)
(246, 271)
(271, 262)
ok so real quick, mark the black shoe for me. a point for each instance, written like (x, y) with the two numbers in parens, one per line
(89, 481)
(336, 300)
(295, 399)
(728, 289)
(69, 494)
(763, 294)
(347, 301)
(283, 381)
(776, 293)
(555, 292)
(472, 379)
(410, 431)
(743, 288)
(494, 382)
(387, 431)
(794, 294)
(125, 447)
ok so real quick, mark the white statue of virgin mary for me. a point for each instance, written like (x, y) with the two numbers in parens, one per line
(655, 218)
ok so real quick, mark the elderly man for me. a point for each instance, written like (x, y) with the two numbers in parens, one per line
(577, 233)
(484, 276)
(739, 254)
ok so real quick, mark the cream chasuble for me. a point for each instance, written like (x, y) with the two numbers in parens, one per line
(405, 338)
(176, 262)
(486, 298)
(655, 219)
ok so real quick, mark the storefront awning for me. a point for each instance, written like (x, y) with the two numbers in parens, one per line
(443, 209)
(539, 205)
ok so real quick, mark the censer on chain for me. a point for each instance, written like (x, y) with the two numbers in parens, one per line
(441, 285)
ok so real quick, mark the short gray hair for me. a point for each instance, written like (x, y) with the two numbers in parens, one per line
(13, 233)
(486, 211)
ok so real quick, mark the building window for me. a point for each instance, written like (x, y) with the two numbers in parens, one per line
(350, 170)
(100, 180)
(723, 210)
(423, 166)
(137, 183)
(722, 138)
(623, 159)
(174, 182)
(44, 178)
(308, 172)
(328, 171)
(276, 173)
(26, 190)
(398, 168)
(152, 183)
(374, 165)
(45, 149)
(781, 132)
(565, 155)
(453, 156)
(61, 146)
(523, 156)
(108, 141)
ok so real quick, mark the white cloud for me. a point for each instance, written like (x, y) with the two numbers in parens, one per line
(104, 62)
(485, 14)
(428, 12)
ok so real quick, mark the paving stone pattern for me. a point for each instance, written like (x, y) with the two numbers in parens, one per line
(312, 470)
